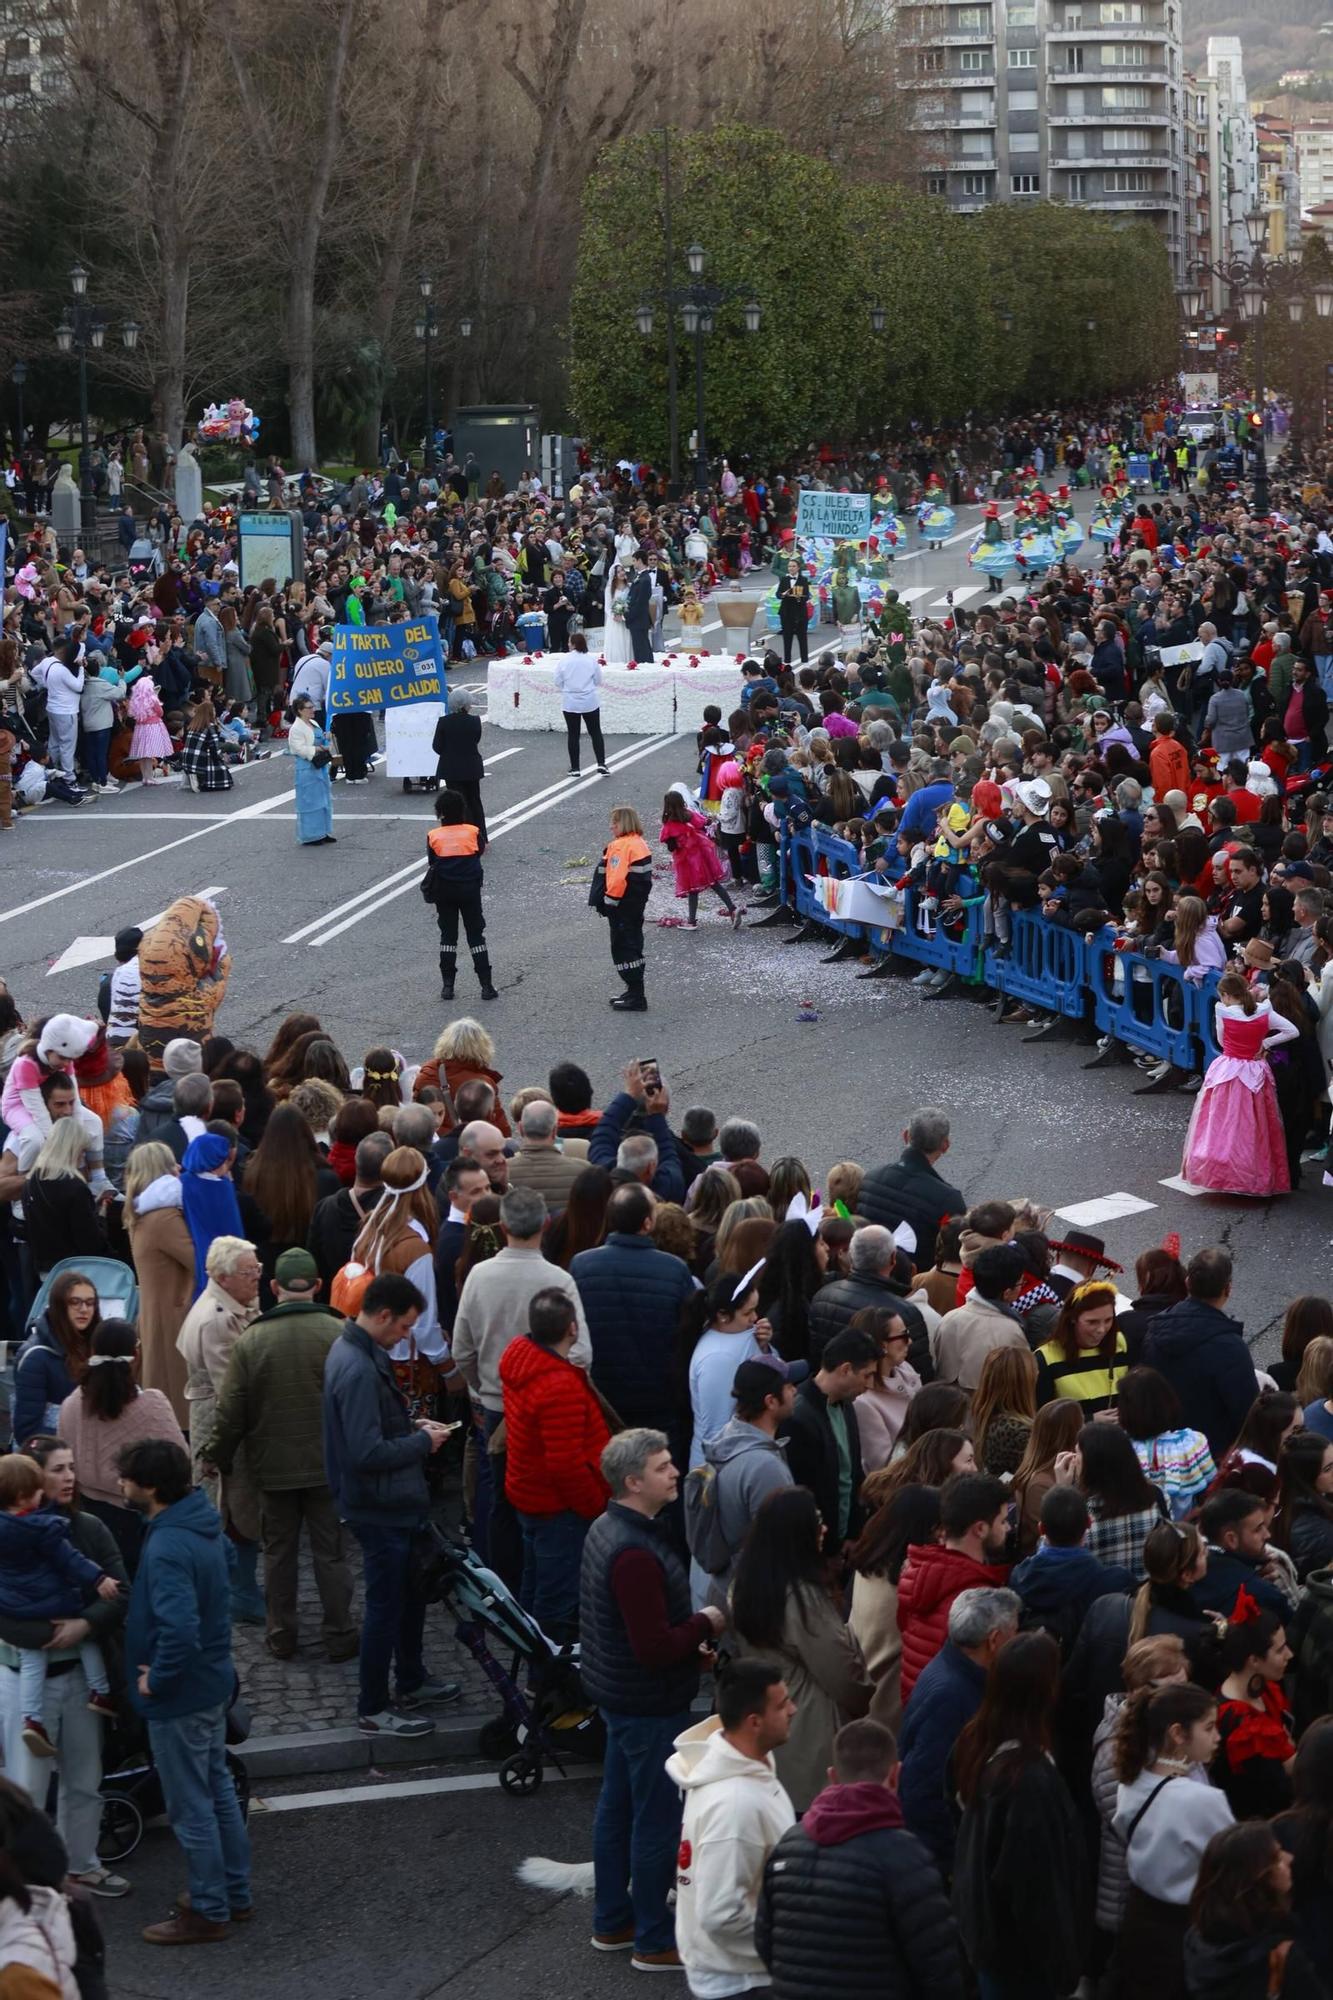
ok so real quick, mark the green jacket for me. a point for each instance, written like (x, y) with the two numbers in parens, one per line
(273, 1398)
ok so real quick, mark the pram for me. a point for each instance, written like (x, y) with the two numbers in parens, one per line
(117, 1288)
(132, 1791)
(551, 1716)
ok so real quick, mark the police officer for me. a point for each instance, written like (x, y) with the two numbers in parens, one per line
(452, 883)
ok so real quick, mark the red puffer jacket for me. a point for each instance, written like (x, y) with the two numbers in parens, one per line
(932, 1577)
(554, 1434)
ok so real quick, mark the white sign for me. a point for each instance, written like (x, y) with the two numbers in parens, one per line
(408, 738)
(1179, 656)
(833, 517)
(1200, 388)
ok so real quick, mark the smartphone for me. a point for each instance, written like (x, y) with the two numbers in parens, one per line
(649, 1071)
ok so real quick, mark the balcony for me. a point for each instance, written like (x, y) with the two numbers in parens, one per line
(1116, 161)
(1111, 73)
(1146, 203)
(968, 163)
(942, 122)
(1107, 114)
(1128, 32)
(947, 41)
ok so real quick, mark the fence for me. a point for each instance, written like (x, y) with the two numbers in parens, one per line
(1142, 1002)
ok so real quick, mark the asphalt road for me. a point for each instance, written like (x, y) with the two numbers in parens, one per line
(412, 1897)
(344, 932)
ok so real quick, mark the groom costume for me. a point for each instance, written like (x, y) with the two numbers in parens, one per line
(639, 613)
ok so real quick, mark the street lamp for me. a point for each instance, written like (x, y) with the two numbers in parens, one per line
(697, 304)
(427, 327)
(82, 328)
(878, 317)
(19, 375)
(1323, 300)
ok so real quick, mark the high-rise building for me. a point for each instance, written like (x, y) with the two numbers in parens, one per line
(1236, 151)
(1057, 100)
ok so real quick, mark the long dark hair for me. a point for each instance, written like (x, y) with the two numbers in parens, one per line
(1080, 1301)
(76, 1346)
(110, 1387)
(1146, 1717)
(581, 1224)
(912, 1514)
(781, 1555)
(937, 1406)
(1111, 1472)
(789, 1280)
(1298, 1468)
(280, 1174)
(1308, 1830)
(700, 1311)
(1017, 1710)
(1234, 1895)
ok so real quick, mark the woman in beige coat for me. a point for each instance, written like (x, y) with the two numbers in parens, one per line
(781, 1607)
(164, 1266)
(910, 1514)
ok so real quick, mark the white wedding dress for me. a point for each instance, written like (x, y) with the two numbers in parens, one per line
(616, 645)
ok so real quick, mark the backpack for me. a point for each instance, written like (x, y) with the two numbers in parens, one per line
(703, 1522)
(349, 1288)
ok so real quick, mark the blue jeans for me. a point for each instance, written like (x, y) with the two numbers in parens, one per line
(395, 1617)
(483, 1503)
(190, 1756)
(96, 751)
(636, 1832)
(1323, 666)
(552, 1552)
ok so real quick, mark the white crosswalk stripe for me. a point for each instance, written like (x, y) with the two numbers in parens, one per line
(960, 596)
(917, 590)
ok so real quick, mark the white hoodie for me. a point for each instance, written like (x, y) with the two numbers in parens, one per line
(735, 1813)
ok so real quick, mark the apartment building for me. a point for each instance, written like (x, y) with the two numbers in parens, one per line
(1057, 100)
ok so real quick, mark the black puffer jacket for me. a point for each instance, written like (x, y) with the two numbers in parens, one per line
(852, 1904)
(910, 1190)
(1241, 1969)
(835, 1305)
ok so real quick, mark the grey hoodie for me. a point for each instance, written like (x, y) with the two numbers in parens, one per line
(749, 1466)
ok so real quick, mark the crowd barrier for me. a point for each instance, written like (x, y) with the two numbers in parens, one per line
(1143, 1002)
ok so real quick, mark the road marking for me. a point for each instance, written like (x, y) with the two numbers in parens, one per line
(407, 1788)
(500, 756)
(87, 950)
(500, 824)
(255, 811)
(1107, 1208)
(1182, 1186)
(506, 823)
(917, 590)
(960, 596)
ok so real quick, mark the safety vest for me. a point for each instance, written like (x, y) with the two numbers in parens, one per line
(620, 857)
(451, 843)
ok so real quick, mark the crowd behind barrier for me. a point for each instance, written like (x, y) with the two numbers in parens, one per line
(1145, 1003)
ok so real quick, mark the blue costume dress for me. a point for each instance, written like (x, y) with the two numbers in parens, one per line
(314, 789)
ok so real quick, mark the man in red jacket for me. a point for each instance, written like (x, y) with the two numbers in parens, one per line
(974, 1519)
(555, 1434)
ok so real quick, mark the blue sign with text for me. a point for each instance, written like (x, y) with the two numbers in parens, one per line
(833, 517)
(385, 666)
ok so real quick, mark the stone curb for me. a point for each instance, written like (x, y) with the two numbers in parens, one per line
(309, 1752)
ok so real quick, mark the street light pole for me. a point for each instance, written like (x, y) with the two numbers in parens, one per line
(673, 394)
(427, 327)
(700, 441)
(85, 328)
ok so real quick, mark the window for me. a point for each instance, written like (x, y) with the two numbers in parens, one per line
(937, 183)
(976, 186)
(1114, 12)
(1022, 58)
(1073, 19)
(972, 60)
(1072, 104)
(930, 62)
(1128, 183)
(974, 145)
(1126, 97)
(1024, 142)
(1025, 183)
(1022, 100)
(973, 21)
(976, 104)
(1124, 139)
(1074, 61)
(1125, 55)
(1022, 14)
(1076, 187)
(1075, 145)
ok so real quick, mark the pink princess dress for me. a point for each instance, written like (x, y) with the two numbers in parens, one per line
(151, 738)
(1234, 1144)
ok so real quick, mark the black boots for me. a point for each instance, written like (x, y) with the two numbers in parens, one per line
(448, 961)
(481, 965)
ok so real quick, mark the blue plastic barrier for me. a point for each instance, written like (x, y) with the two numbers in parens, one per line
(1151, 1008)
(818, 852)
(1205, 999)
(1046, 966)
(960, 955)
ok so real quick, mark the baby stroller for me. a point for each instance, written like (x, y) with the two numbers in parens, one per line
(550, 1716)
(117, 1289)
(132, 1790)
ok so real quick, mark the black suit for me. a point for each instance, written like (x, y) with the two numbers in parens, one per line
(639, 615)
(812, 1457)
(457, 744)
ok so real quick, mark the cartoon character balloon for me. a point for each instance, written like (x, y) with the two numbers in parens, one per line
(230, 422)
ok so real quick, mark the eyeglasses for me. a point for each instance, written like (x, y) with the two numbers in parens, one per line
(88, 1304)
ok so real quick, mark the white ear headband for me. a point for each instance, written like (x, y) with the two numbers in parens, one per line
(801, 1210)
(747, 1281)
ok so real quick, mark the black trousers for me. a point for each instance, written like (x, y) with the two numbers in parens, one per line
(355, 738)
(627, 947)
(592, 721)
(464, 903)
(469, 790)
(797, 629)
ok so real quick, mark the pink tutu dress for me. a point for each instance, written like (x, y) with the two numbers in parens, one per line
(151, 737)
(694, 857)
(1234, 1144)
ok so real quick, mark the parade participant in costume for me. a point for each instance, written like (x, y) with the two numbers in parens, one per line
(184, 966)
(697, 863)
(308, 746)
(992, 534)
(621, 885)
(452, 883)
(1234, 1144)
(794, 611)
(208, 1199)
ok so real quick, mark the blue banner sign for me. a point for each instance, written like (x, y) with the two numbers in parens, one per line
(385, 666)
(833, 517)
